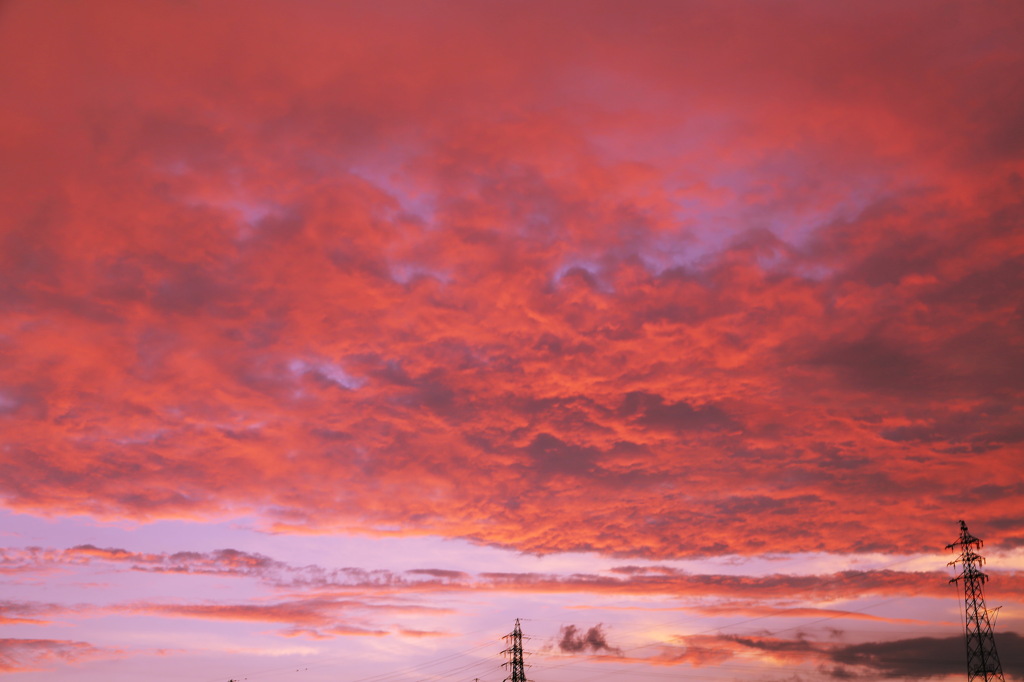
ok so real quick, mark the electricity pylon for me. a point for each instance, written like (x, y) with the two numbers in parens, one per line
(982, 659)
(517, 671)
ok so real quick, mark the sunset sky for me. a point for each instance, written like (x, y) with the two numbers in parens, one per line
(336, 336)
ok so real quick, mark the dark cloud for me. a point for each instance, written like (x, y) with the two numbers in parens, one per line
(552, 455)
(878, 364)
(909, 659)
(652, 411)
(925, 657)
(572, 640)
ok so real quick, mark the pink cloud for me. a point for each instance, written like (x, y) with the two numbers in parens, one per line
(23, 655)
(330, 582)
(26, 613)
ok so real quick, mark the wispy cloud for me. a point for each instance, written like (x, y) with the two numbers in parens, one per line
(623, 580)
(23, 655)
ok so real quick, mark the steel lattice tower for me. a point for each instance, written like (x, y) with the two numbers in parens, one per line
(517, 671)
(982, 659)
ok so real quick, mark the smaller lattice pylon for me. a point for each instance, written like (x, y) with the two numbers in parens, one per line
(514, 652)
(982, 659)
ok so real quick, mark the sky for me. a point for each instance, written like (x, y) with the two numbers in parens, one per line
(337, 336)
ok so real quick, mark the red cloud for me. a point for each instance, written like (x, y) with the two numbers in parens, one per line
(597, 282)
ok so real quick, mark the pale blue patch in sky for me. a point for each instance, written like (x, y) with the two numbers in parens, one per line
(413, 202)
(177, 167)
(7, 403)
(686, 250)
(331, 371)
(403, 273)
(140, 438)
(247, 212)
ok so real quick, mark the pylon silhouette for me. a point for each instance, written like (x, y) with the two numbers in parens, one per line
(982, 659)
(517, 671)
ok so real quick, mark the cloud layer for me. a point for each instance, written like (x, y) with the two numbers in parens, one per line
(658, 283)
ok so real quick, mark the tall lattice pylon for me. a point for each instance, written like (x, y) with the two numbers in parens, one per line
(982, 659)
(517, 671)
